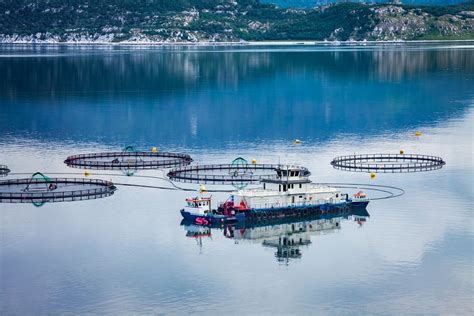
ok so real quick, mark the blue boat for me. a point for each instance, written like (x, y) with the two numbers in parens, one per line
(291, 194)
(199, 211)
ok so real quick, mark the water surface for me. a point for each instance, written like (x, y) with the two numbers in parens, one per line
(129, 254)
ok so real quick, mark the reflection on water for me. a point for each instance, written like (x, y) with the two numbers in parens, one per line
(121, 73)
(286, 237)
(127, 97)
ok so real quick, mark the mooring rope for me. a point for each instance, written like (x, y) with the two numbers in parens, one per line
(368, 186)
(363, 186)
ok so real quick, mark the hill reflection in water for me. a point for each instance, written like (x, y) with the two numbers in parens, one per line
(183, 95)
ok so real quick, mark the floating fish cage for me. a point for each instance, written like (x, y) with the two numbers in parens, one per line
(388, 163)
(229, 173)
(40, 189)
(4, 171)
(128, 159)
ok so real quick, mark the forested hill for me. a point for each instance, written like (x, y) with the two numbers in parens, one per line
(314, 3)
(225, 20)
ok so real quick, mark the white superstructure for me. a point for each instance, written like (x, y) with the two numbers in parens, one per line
(291, 188)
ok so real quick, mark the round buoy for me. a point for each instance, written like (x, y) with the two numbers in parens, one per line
(372, 175)
(402, 152)
(153, 150)
(254, 161)
(202, 189)
(417, 133)
(297, 141)
(87, 173)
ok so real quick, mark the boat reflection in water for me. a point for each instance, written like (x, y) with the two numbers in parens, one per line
(286, 236)
(197, 232)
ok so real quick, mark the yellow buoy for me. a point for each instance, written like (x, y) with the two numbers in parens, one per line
(153, 150)
(402, 152)
(202, 189)
(417, 133)
(298, 141)
(254, 161)
(87, 173)
(372, 175)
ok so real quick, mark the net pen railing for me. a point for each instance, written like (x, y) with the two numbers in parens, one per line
(92, 161)
(201, 173)
(388, 163)
(104, 188)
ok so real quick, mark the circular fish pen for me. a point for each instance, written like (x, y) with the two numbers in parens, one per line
(40, 189)
(128, 160)
(235, 174)
(4, 171)
(388, 163)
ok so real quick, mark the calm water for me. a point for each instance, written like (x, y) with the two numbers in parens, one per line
(129, 254)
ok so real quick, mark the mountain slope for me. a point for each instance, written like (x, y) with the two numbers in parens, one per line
(224, 20)
(314, 3)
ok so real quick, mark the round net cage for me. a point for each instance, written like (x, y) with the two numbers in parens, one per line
(129, 160)
(4, 171)
(238, 173)
(387, 163)
(40, 189)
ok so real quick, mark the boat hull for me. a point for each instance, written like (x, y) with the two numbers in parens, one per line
(361, 204)
(272, 213)
(211, 220)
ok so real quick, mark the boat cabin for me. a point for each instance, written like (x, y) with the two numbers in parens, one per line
(360, 196)
(291, 188)
(197, 205)
(287, 179)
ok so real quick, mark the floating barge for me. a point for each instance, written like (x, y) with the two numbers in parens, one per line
(289, 194)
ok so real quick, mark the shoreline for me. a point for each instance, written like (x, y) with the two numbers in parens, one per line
(240, 44)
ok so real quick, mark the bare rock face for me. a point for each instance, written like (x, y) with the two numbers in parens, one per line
(397, 23)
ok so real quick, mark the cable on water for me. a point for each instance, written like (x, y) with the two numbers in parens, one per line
(364, 186)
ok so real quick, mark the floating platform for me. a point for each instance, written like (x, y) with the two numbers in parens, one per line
(388, 163)
(229, 173)
(4, 171)
(126, 160)
(40, 189)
